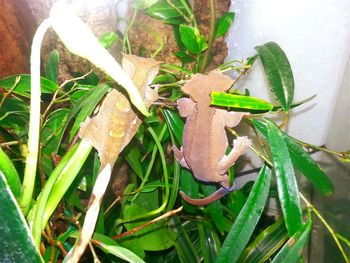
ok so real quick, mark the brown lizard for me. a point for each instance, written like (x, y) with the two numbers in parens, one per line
(109, 131)
(204, 137)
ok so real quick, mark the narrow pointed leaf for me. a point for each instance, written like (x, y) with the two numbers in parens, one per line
(278, 72)
(184, 246)
(239, 102)
(266, 243)
(9, 171)
(286, 182)
(52, 66)
(175, 124)
(301, 160)
(16, 243)
(291, 251)
(247, 219)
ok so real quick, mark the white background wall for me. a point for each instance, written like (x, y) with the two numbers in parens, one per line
(315, 34)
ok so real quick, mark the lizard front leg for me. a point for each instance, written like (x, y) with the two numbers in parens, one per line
(179, 156)
(240, 145)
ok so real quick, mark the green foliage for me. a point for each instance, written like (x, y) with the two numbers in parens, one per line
(278, 72)
(192, 39)
(232, 229)
(16, 243)
(224, 23)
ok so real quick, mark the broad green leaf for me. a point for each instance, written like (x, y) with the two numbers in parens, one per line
(242, 229)
(239, 102)
(266, 243)
(51, 71)
(175, 123)
(108, 39)
(224, 23)
(291, 251)
(184, 57)
(16, 243)
(23, 86)
(9, 171)
(110, 246)
(286, 182)
(301, 160)
(143, 4)
(278, 72)
(192, 39)
(162, 9)
(155, 237)
(184, 246)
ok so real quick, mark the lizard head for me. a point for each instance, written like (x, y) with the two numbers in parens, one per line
(200, 86)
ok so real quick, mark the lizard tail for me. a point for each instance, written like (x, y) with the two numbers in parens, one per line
(221, 192)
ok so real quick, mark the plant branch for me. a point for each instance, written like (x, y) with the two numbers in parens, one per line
(329, 228)
(211, 37)
(138, 228)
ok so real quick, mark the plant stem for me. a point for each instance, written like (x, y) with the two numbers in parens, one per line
(211, 37)
(34, 121)
(138, 228)
(329, 228)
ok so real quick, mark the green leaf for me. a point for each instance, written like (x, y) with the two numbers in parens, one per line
(110, 246)
(52, 66)
(14, 116)
(16, 243)
(208, 244)
(85, 106)
(266, 243)
(23, 86)
(184, 246)
(306, 165)
(108, 39)
(162, 10)
(301, 160)
(192, 39)
(175, 123)
(133, 158)
(9, 171)
(50, 137)
(286, 182)
(184, 57)
(291, 251)
(155, 237)
(143, 4)
(278, 72)
(239, 102)
(247, 219)
(216, 210)
(224, 23)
